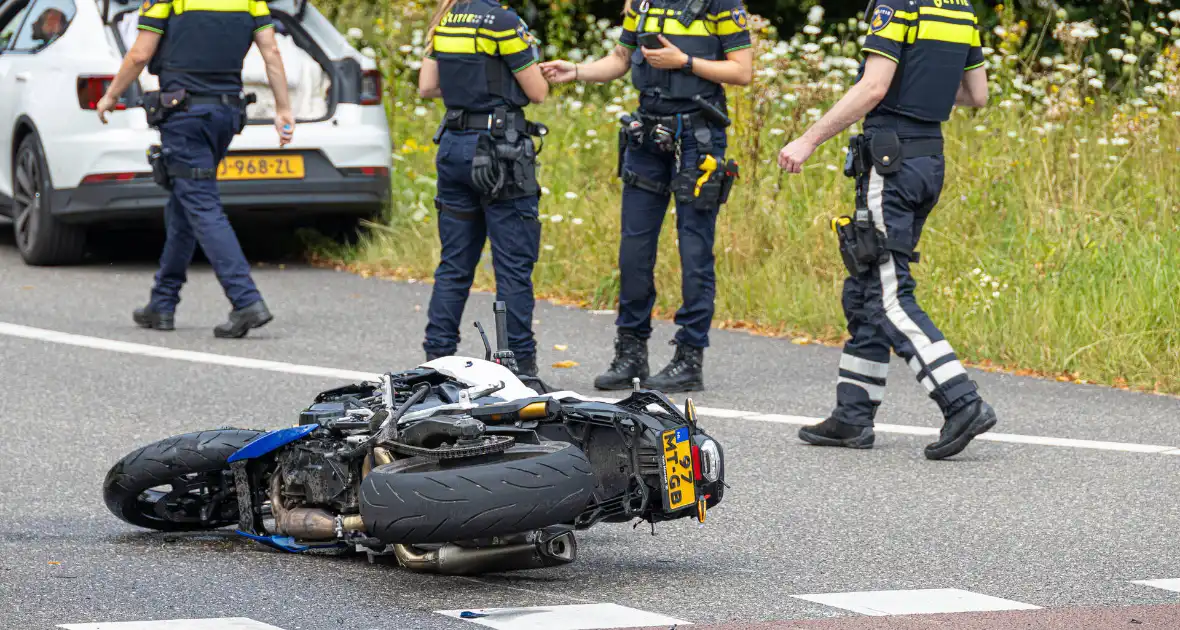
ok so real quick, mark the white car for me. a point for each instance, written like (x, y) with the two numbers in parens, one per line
(62, 170)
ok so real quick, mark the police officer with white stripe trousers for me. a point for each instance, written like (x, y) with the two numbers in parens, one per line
(481, 59)
(680, 53)
(922, 57)
(196, 48)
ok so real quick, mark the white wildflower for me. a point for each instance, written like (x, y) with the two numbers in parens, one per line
(1011, 134)
(1074, 156)
(1090, 72)
(1095, 83)
(591, 132)
(1174, 15)
(557, 218)
(831, 167)
(405, 48)
(571, 195)
(355, 33)
(548, 247)
(811, 48)
(575, 105)
(369, 52)
(544, 190)
(1114, 158)
(1103, 142)
(614, 109)
(811, 29)
(1116, 53)
(419, 111)
(1130, 58)
(1047, 62)
(578, 221)
(777, 132)
(816, 15)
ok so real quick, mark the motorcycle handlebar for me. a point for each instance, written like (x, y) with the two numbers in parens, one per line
(501, 311)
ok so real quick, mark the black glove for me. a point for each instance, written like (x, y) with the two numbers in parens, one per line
(487, 173)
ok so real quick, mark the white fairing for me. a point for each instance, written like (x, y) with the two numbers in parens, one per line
(478, 372)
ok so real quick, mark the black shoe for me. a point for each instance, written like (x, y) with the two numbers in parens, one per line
(147, 318)
(430, 356)
(959, 429)
(527, 366)
(630, 362)
(242, 320)
(684, 373)
(832, 432)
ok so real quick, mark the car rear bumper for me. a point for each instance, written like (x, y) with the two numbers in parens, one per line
(323, 191)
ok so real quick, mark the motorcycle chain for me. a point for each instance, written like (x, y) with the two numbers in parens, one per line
(490, 444)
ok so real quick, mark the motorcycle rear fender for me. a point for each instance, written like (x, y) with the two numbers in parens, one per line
(268, 442)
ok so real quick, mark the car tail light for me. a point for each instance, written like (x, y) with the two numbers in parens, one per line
(371, 87)
(91, 89)
(367, 171)
(99, 178)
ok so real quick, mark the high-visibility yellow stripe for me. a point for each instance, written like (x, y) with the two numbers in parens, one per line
(671, 27)
(482, 32)
(943, 32)
(259, 8)
(463, 45)
(948, 13)
(976, 41)
(719, 16)
(150, 28)
(219, 6)
(513, 46)
(727, 27)
(456, 30)
(906, 15)
(896, 31)
(629, 22)
(159, 11)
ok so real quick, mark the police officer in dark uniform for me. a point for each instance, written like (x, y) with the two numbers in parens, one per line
(923, 57)
(481, 60)
(196, 50)
(680, 54)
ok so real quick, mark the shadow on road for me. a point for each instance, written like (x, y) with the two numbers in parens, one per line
(140, 247)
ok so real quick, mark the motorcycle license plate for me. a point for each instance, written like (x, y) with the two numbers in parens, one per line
(239, 167)
(679, 489)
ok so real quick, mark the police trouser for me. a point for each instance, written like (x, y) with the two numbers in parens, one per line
(880, 307)
(649, 173)
(466, 219)
(194, 143)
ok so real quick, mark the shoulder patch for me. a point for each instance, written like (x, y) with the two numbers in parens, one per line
(147, 4)
(881, 18)
(740, 17)
(525, 34)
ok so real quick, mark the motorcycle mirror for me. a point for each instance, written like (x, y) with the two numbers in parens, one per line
(487, 348)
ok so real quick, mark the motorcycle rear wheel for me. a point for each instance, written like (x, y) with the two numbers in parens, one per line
(527, 487)
(200, 494)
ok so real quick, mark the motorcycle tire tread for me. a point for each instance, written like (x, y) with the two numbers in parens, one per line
(400, 506)
(157, 463)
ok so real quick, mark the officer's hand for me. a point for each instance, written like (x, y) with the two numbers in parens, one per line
(105, 104)
(667, 58)
(558, 71)
(795, 154)
(285, 125)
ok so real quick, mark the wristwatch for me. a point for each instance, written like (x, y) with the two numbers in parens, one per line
(687, 65)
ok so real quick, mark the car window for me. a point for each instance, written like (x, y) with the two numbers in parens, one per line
(9, 24)
(48, 20)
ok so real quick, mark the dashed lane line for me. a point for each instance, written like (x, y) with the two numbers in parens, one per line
(210, 358)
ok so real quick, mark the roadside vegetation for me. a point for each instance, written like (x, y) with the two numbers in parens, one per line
(1055, 249)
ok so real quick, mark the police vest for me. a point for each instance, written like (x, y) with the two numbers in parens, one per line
(684, 24)
(479, 46)
(933, 42)
(204, 42)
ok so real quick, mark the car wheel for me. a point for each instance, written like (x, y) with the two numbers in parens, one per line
(40, 237)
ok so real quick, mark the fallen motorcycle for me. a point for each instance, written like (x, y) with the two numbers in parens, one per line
(458, 466)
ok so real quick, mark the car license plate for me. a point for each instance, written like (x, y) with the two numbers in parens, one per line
(238, 167)
(680, 491)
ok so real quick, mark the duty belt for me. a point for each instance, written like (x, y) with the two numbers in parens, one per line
(460, 120)
(233, 100)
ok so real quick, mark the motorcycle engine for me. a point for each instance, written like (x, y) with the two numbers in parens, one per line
(311, 478)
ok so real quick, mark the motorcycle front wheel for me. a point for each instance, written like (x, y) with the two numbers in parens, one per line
(181, 483)
(527, 487)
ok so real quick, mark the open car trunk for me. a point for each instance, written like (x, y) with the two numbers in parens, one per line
(309, 74)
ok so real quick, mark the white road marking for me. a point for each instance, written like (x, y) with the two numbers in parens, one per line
(572, 617)
(1167, 585)
(225, 623)
(915, 602)
(126, 347)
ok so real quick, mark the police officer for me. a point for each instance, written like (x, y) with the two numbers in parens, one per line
(196, 51)
(481, 60)
(680, 54)
(923, 57)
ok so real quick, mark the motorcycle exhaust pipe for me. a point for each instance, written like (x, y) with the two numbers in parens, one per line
(452, 559)
(307, 524)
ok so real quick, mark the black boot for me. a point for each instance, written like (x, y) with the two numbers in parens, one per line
(527, 366)
(832, 432)
(147, 318)
(242, 320)
(630, 362)
(960, 428)
(683, 374)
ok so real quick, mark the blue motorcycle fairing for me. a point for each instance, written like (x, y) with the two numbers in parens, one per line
(268, 442)
(285, 543)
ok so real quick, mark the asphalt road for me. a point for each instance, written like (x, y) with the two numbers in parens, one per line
(1054, 527)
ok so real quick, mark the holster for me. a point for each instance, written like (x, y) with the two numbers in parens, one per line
(160, 105)
(244, 117)
(707, 185)
(505, 165)
(862, 246)
(156, 158)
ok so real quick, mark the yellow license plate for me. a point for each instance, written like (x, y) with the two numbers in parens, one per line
(238, 167)
(679, 488)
